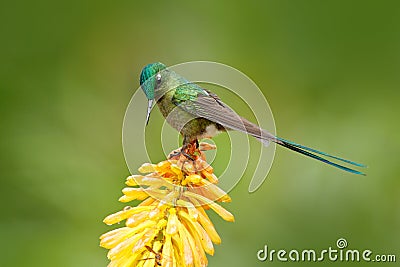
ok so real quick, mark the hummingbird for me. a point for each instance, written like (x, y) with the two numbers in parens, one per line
(198, 113)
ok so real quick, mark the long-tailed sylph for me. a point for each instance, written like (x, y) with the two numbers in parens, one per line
(198, 113)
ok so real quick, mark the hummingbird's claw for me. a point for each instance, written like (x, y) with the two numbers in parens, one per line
(188, 150)
(174, 154)
(181, 152)
(187, 156)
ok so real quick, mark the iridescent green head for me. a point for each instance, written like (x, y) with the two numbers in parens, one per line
(150, 79)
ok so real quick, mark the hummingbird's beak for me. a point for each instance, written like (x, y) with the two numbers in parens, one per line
(149, 110)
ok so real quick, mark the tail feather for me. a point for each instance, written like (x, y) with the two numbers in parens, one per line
(307, 151)
(320, 152)
(265, 137)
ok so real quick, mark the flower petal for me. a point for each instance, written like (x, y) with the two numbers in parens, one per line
(148, 201)
(167, 253)
(210, 176)
(206, 146)
(178, 249)
(132, 194)
(187, 249)
(190, 207)
(136, 219)
(146, 168)
(199, 258)
(198, 232)
(112, 238)
(226, 215)
(209, 228)
(123, 214)
(172, 225)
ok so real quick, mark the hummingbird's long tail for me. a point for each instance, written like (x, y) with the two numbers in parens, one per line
(309, 152)
(266, 137)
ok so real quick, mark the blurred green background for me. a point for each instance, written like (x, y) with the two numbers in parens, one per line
(329, 69)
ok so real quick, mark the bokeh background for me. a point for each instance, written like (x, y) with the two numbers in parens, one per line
(329, 69)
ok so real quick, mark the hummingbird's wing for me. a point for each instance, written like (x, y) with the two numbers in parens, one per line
(202, 103)
(205, 104)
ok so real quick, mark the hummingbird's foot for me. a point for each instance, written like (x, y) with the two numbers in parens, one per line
(181, 152)
(190, 157)
(174, 154)
(189, 151)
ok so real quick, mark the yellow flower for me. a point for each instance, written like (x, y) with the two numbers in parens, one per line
(170, 227)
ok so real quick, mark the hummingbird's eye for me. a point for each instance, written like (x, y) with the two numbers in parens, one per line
(158, 78)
